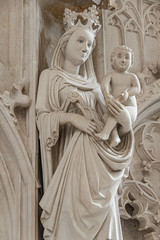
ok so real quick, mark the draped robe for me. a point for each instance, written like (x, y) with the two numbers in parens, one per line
(80, 201)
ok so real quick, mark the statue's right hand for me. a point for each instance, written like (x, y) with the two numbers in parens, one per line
(83, 124)
(124, 96)
(120, 113)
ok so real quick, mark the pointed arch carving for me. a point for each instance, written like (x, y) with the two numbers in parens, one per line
(17, 178)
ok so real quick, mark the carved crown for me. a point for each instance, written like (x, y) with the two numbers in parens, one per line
(88, 18)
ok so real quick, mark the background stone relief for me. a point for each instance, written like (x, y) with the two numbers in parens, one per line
(19, 28)
(136, 24)
(27, 43)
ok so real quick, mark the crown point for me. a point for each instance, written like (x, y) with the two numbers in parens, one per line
(88, 18)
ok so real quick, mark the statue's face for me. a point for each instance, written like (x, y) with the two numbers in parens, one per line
(122, 60)
(79, 47)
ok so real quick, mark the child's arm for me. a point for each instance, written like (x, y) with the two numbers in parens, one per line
(106, 87)
(135, 86)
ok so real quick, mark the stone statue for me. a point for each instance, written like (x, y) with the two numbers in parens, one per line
(123, 86)
(81, 174)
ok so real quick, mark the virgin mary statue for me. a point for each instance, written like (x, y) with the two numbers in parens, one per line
(81, 174)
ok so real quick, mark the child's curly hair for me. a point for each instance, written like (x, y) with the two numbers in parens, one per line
(123, 47)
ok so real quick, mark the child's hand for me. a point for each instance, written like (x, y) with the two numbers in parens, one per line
(108, 97)
(124, 96)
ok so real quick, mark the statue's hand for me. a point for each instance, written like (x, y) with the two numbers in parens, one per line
(83, 124)
(120, 113)
(124, 96)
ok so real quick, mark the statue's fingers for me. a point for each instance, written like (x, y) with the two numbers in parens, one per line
(88, 131)
(121, 99)
(91, 130)
(115, 104)
(113, 110)
(92, 126)
(92, 123)
(92, 120)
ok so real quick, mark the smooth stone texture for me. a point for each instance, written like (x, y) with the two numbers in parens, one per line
(28, 40)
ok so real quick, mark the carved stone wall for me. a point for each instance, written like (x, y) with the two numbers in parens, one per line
(19, 28)
(28, 39)
(136, 24)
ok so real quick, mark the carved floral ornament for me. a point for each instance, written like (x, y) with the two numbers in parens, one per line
(141, 190)
(152, 21)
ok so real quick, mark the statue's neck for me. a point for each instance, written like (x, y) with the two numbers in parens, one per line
(70, 67)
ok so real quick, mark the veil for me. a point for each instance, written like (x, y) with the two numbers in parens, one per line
(86, 79)
(48, 86)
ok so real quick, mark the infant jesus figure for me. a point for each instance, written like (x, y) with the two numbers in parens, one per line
(122, 86)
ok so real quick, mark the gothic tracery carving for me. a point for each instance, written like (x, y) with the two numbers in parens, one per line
(141, 189)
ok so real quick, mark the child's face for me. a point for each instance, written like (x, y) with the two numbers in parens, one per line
(122, 60)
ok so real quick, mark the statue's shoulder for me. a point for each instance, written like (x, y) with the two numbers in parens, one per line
(107, 78)
(108, 75)
(45, 72)
(48, 73)
(133, 76)
(44, 75)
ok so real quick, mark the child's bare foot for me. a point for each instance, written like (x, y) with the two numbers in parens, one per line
(115, 139)
(102, 136)
(114, 142)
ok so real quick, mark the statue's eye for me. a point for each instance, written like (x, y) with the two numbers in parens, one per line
(119, 55)
(80, 40)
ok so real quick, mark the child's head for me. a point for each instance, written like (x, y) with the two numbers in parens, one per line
(122, 54)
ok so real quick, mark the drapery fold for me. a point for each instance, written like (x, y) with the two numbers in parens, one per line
(80, 200)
